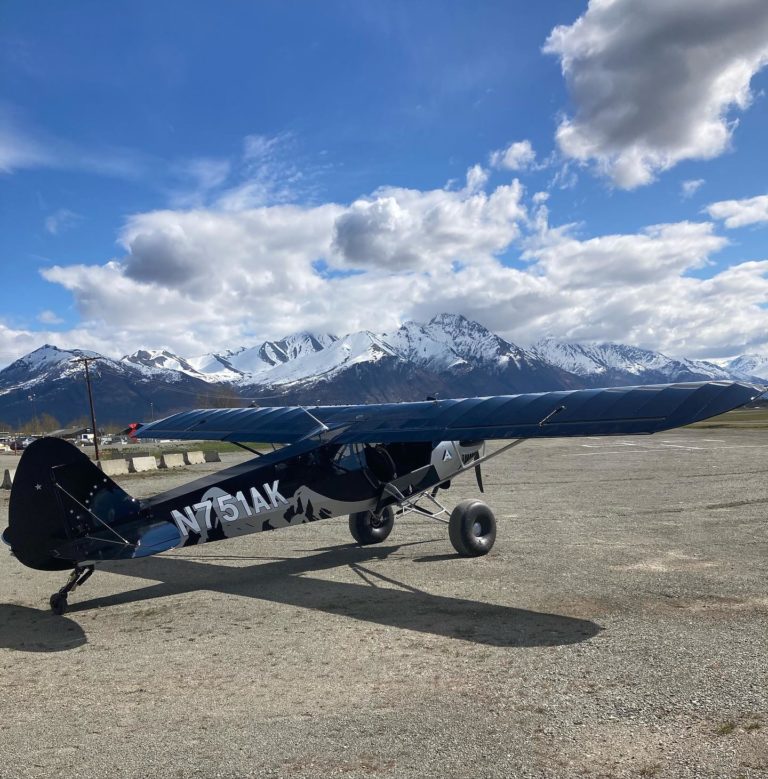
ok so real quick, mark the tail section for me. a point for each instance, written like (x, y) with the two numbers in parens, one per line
(64, 512)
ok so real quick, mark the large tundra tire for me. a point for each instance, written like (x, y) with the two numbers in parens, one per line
(472, 528)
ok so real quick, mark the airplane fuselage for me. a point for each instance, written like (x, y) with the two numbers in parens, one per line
(269, 493)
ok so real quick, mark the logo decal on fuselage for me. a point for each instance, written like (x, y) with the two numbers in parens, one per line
(227, 508)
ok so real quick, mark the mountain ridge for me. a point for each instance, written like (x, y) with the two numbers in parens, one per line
(449, 356)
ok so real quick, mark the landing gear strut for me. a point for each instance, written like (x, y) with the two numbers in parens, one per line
(471, 525)
(79, 576)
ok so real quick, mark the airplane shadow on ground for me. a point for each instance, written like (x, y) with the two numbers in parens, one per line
(377, 598)
(36, 630)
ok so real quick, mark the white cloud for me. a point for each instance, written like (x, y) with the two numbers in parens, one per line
(264, 172)
(653, 82)
(16, 342)
(477, 178)
(209, 279)
(204, 280)
(61, 219)
(267, 173)
(517, 156)
(738, 213)
(400, 228)
(637, 288)
(631, 260)
(257, 251)
(218, 276)
(48, 317)
(196, 178)
(691, 187)
(23, 147)
(18, 151)
(261, 147)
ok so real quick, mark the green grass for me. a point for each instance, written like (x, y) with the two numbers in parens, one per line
(142, 450)
(740, 419)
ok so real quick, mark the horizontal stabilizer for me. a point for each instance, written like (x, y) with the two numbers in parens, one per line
(612, 411)
(136, 539)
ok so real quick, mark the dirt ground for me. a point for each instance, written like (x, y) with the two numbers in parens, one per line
(619, 628)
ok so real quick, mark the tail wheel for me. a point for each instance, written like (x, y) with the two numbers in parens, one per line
(58, 603)
(472, 528)
(370, 528)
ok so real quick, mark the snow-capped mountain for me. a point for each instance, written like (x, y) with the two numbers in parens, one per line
(50, 381)
(258, 360)
(160, 362)
(750, 367)
(615, 364)
(215, 368)
(323, 364)
(47, 362)
(449, 356)
(451, 342)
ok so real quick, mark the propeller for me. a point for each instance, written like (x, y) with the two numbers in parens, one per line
(479, 473)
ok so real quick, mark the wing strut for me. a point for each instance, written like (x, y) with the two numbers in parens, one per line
(551, 414)
(322, 427)
(484, 458)
(248, 448)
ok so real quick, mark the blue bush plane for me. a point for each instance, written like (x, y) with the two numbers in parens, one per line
(372, 462)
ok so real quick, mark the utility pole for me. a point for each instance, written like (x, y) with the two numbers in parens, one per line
(86, 361)
(34, 409)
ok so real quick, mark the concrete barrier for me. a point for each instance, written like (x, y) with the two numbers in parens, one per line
(194, 458)
(114, 467)
(140, 464)
(8, 478)
(172, 460)
(212, 457)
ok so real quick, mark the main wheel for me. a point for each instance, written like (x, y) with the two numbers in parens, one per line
(58, 603)
(369, 528)
(472, 528)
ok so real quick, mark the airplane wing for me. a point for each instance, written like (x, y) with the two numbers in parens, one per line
(612, 411)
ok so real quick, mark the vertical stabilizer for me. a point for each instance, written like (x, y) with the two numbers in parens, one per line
(64, 511)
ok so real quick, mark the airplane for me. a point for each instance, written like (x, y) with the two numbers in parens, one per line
(370, 462)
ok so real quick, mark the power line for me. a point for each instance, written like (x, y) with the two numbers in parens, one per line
(202, 393)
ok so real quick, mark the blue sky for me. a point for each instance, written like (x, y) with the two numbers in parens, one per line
(200, 176)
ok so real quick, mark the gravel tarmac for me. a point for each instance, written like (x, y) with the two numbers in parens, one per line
(619, 628)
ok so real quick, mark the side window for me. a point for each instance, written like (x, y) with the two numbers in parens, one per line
(350, 457)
